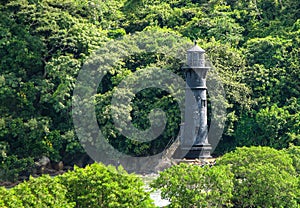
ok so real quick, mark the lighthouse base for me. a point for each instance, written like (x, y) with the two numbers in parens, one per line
(195, 152)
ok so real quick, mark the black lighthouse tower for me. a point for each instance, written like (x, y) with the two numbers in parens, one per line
(194, 131)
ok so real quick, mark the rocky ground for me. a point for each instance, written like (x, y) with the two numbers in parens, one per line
(45, 167)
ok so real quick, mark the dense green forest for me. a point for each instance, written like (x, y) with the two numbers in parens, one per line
(254, 46)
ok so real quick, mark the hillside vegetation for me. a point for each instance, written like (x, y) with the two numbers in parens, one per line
(254, 46)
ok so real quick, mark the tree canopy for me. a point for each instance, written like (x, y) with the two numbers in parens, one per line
(253, 46)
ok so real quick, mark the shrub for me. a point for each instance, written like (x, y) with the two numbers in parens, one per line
(263, 177)
(12, 167)
(187, 185)
(265, 185)
(271, 126)
(37, 192)
(8, 199)
(42, 192)
(101, 186)
(244, 156)
(294, 152)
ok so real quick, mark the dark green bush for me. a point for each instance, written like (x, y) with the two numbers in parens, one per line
(12, 167)
(101, 186)
(263, 177)
(272, 126)
(187, 185)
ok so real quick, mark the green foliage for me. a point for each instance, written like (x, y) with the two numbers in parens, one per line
(266, 185)
(244, 156)
(294, 152)
(42, 192)
(145, 54)
(268, 51)
(217, 23)
(100, 186)
(253, 46)
(43, 46)
(262, 177)
(12, 167)
(93, 186)
(8, 199)
(186, 185)
(272, 126)
(37, 192)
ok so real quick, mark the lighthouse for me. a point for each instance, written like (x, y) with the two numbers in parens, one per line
(194, 130)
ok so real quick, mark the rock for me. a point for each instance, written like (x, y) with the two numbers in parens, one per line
(43, 162)
(49, 171)
(58, 166)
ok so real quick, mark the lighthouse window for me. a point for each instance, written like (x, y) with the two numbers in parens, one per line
(195, 59)
(203, 103)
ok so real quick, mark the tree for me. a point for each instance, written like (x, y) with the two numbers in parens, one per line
(99, 186)
(37, 192)
(187, 185)
(273, 127)
(43, 47)
(262, 177)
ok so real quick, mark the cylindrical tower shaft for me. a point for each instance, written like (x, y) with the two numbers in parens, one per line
(195, 128)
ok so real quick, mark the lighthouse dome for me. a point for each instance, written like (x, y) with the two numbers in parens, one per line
(196, 48)
(195, 57)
